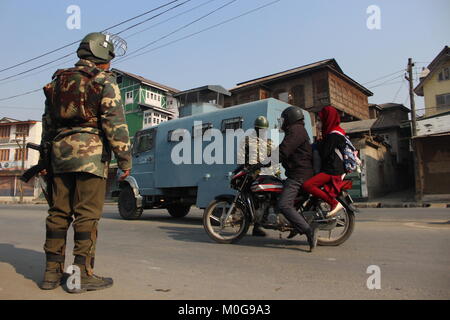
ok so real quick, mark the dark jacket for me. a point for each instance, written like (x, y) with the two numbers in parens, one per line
(331, 163)
(296, 153)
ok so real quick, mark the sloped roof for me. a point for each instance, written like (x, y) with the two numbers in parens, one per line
(358, 126)
(444, 54)
(147, 81)
(328, 63)
(391, 105)
(214, 88)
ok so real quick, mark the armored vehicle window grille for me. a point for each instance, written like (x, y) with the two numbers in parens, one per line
(203, 128)
(144, 142)
(176, 135)
(232, 123)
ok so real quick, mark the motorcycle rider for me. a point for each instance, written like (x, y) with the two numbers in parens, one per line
(253, 149)
(295, 154)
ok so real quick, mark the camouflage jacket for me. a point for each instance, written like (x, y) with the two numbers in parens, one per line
(84, 117)
(253, 150)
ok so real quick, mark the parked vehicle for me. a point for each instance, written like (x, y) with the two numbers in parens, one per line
(157, 182)
(228, 216)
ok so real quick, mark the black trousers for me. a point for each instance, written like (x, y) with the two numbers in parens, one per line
(286, 205)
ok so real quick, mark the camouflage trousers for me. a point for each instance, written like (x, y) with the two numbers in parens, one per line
(77, 197)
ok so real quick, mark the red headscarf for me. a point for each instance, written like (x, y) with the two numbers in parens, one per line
(330, 119)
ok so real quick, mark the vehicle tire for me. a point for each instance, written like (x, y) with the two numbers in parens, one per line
(128, 208)
(208, 217)
(178, 210)
(349, 225)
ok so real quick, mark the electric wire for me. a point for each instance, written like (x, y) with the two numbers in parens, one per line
(75, 42)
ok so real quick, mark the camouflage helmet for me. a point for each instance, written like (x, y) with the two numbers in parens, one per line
(261, 123)
(96, 47)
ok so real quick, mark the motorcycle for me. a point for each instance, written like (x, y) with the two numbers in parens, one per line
(228, 217)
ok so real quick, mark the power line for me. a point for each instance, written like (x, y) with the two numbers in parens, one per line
(178, 29)
(171, 18)
(174, 41)
(71, 53)
(398, 91)
(75, 42)
(203, 30)
(391, 74)
(386, 82)
(21, 94)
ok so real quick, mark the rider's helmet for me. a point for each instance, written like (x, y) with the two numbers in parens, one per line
(291, 115)
(96, 47)
(261, 123)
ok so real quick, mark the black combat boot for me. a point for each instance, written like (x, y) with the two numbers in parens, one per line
(312, 237)
(257, 231)
(89, 281)
(54, 271)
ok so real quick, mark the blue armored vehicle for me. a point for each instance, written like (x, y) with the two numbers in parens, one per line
(170, 169)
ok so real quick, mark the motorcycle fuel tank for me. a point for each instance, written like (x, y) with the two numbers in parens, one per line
(267, 184)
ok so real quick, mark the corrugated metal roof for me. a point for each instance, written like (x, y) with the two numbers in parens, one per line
(147, 81)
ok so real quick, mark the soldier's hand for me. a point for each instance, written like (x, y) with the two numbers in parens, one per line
(43, 172)
(125, 174)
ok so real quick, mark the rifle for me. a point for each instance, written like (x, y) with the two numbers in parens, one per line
(44, 163)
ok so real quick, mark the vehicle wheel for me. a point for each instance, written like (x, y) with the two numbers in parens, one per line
(178, 210)
(128, 209)
(345, 223)
(229, 231)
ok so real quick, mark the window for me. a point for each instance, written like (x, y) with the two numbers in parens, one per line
(129, 97)
(22, 130)
(232, 123)
(19, 154)
(5, 131)
(196, 129)
(444, 74)
(4, 155)
(119, 79)
(443, 100)
(143, 141)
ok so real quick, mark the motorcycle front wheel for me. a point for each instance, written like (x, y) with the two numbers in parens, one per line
(221, 231)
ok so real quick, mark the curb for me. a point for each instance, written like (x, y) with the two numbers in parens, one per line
(401, 205)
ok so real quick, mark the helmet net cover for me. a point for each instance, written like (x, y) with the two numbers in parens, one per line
(119, 44)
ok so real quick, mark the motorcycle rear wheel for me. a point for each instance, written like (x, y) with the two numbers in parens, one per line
(229, 231)
(345, 220)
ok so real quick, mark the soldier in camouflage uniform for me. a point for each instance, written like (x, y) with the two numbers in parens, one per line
(84, 120)
(255, 149)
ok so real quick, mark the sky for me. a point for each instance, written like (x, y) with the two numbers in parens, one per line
(284, 35)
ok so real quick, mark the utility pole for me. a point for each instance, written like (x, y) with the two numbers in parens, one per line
(411, 96)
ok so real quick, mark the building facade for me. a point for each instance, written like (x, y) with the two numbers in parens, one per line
(15, 157)
(146, 103)
(434, 84)
(310, 87)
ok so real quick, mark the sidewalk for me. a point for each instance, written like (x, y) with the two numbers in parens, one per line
(400, 199)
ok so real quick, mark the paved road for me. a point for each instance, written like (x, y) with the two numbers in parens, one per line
(159, 257)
